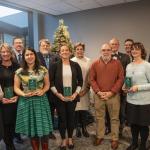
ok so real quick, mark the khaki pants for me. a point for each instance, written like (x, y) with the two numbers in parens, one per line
(113, 105)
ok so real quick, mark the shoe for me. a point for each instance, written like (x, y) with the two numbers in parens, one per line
(85, 132)
(97, 141)
(52, 136)
(78, 132)
(114, 145)
(71, 146)
(18, 139)
(62, 147)
(132, 147)
(142, 147)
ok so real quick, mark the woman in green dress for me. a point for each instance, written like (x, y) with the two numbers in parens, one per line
(33, 112)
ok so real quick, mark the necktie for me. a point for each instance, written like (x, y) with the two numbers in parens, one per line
(46, 58)
(19, 58)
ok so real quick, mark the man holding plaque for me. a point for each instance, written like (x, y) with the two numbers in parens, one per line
(107, 76)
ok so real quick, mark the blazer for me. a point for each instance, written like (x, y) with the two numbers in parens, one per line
(53, 58)
(124, 59)
(56, 76)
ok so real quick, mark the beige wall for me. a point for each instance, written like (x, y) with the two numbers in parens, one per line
(94, 27)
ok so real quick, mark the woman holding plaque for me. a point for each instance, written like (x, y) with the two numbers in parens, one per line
(33, 113)
(137, 86)
(66, 83)
(9, 105)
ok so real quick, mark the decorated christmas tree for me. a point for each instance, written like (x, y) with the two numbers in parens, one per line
(61, 37)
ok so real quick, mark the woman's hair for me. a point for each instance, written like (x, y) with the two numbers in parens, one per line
(9, 48)
(24, 63)
(79, 44)
(140, 46)
(64, 44)
(130, 40)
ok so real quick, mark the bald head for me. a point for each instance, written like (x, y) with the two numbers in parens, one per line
(105, 46)
(114, 43)
(106, 51)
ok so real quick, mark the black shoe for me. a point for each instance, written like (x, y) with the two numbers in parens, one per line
(10, 147)
(71, 146)
(142, 147)
(85, 132)
(52, 136)
(18, 140)
(78, 132)
(62, 147)
(132, 147)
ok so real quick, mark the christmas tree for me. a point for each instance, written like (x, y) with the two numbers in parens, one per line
(61, 37)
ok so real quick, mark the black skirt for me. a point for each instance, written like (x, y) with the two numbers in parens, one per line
(138, 114)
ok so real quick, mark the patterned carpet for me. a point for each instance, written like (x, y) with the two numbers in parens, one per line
(81, 143)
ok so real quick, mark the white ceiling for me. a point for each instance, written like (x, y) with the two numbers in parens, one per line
(58, 7)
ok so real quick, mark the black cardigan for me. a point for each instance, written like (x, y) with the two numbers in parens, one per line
(56, 76)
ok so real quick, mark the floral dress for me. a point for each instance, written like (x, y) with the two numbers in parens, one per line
(33, 113)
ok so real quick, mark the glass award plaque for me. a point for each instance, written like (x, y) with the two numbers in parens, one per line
(128, 82)
(32, 84)
(8, 92)
(67, 92)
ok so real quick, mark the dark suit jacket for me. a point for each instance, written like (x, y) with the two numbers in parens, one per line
(53, 58)
(57, 80)
(124, 59)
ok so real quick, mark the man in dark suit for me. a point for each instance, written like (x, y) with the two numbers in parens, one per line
(47, 58)
(18, 47)
(125, 60)
(128, 46)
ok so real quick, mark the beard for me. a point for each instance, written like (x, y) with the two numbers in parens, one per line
(106, 58)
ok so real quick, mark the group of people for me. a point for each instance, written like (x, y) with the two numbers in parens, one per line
(36, 85)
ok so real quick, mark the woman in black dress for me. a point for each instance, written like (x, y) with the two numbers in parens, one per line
(9, 105)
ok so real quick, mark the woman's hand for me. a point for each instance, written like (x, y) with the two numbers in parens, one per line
(133, 89)
(9, 101)
(29, 94)
(60, 96)
(82, 93)
(39, 92)
(124, 89)
(74, 95)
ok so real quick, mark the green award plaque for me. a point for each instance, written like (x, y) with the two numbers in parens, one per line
(128, 82)
(67, 92)
(32, 84)
(8, 92)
